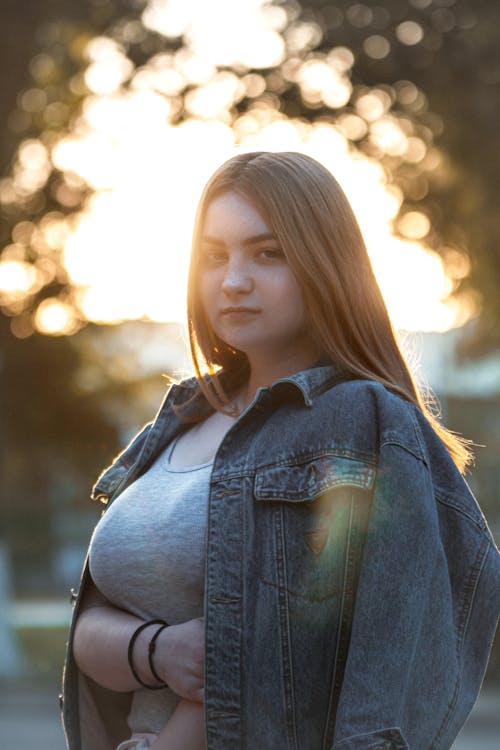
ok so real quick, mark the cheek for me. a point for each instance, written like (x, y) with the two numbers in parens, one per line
(205, 292)
(292, 296)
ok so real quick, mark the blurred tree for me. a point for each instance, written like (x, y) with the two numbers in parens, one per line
(448, 49)
(426, 68)
(48, 430)
(54, 433)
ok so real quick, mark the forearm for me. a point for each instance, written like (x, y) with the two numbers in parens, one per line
(101, 643)
(185, 729)
(100, 647)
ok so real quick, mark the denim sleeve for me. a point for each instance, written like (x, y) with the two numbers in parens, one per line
(397, 580)
(110, 477)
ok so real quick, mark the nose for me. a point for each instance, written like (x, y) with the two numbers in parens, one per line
(237, 279)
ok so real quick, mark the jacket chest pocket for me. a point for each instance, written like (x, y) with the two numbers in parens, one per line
(309, 516)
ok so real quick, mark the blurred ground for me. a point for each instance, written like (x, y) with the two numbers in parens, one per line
(29, 718)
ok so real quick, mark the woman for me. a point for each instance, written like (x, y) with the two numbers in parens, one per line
(294, 512)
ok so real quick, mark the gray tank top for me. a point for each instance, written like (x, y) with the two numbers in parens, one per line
(147, 556)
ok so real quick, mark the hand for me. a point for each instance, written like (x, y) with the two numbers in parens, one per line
(180, 657)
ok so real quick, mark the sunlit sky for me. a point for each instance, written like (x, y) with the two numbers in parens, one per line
(127, 249)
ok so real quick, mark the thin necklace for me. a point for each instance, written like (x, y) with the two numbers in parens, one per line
(235, 408)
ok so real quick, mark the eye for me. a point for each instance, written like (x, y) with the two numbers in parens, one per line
(213, 256)
(271, 253)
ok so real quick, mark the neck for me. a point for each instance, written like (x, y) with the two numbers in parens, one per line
(267, 370)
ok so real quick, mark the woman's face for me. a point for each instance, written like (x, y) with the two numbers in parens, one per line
(250, 296)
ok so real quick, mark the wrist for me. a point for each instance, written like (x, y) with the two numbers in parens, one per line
(140, 657)
(151, 654)
(164, 653)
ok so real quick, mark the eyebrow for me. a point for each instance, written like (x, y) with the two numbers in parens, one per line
(256, 238)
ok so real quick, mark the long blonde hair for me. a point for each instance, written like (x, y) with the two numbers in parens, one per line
(316, 228)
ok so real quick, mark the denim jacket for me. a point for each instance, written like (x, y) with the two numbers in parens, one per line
(352, 585)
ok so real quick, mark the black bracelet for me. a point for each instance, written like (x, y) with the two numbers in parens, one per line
(152, 649)
(130, 653)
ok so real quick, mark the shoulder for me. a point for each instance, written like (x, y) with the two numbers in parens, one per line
(369, 394)
(112, 475)
(368, 408)
(397, 428)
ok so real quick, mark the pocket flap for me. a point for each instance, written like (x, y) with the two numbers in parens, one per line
(305, 481)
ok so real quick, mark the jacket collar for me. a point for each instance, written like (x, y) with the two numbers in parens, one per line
(314, 380)
(307, 383)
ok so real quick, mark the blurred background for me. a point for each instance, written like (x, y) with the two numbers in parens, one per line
(114, 113)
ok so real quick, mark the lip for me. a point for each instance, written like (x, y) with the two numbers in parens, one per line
(247, 310)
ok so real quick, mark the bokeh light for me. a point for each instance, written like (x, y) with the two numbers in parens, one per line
(16, 278)
(54, 317)
(133, 161)
(409, 33)
(377, 46)
(249, 34)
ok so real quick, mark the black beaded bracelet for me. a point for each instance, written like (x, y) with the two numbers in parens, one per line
(130, 654)
(152, 649)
